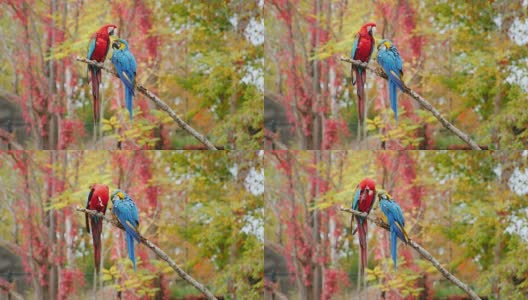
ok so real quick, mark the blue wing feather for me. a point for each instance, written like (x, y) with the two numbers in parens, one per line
(88, 200)
(125, 65)
(120, 62)
(91, 48)
(391, 62)
(396, 222)
(127, 214)
(355, 203)
(355, 46)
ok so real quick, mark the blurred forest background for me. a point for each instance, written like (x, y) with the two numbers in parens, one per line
(469, 59)
(467, 208)
(204, 59)
(205, 210)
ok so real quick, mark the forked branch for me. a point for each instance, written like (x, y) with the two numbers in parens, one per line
(162, 255)
(426, 105)
(426, 255)
(160, 104)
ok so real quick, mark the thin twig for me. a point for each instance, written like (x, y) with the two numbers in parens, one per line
(160, 104)
(274, 139)
(420, 250)
(8, 138)
(10, 289)
(426, 105)
(157, 250)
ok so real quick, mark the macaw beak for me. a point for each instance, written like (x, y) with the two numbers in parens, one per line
(115, 197)
(115, 45)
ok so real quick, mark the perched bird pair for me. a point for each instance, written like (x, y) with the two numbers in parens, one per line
(364, 199)
(123, 60)
(389, 59)
(124, 209)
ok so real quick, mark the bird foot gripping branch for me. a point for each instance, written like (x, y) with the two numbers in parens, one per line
(159, 103)
(423, 103)
(392, 212)
(159, 253)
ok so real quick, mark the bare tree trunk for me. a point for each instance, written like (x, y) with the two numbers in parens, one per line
(29, 105)
(317, 282)
(53, 273)
(316, 133)
(37, 287)
(300, 284)
(293, 103)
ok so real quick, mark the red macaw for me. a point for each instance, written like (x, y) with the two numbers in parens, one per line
(362, 49)
(97, 50)
(97, 200)
(363, 202)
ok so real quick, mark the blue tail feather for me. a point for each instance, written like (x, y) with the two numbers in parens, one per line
(131, 235)
(393, 97)
(129, 98)
(398, 83)
(394, 248)
(130, 248)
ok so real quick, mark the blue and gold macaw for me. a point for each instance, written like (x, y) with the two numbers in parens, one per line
(391, 62)
(127, 213)
(394, 217)
(125, 65)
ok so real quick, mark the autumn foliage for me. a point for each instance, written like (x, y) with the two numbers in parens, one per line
(199, 80)
(471, 69)
(196, 206)
(450, 208)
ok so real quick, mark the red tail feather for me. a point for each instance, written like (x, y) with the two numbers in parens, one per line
(362, 235)
(86, 217)
(97, 230)
(352, 225)
(96, 79)
(360, 84)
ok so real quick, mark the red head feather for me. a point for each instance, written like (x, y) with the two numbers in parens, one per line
(105, 30)
(365, 28)
(367, 182)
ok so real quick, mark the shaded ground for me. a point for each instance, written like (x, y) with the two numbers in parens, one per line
(11, 270)
(11, 121)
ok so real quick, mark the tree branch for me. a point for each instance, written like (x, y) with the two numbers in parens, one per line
(420, 250)
(9, 140)
(162, 255)
(9, 288)
(426, 105)
(274, 139)
(160, 104)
